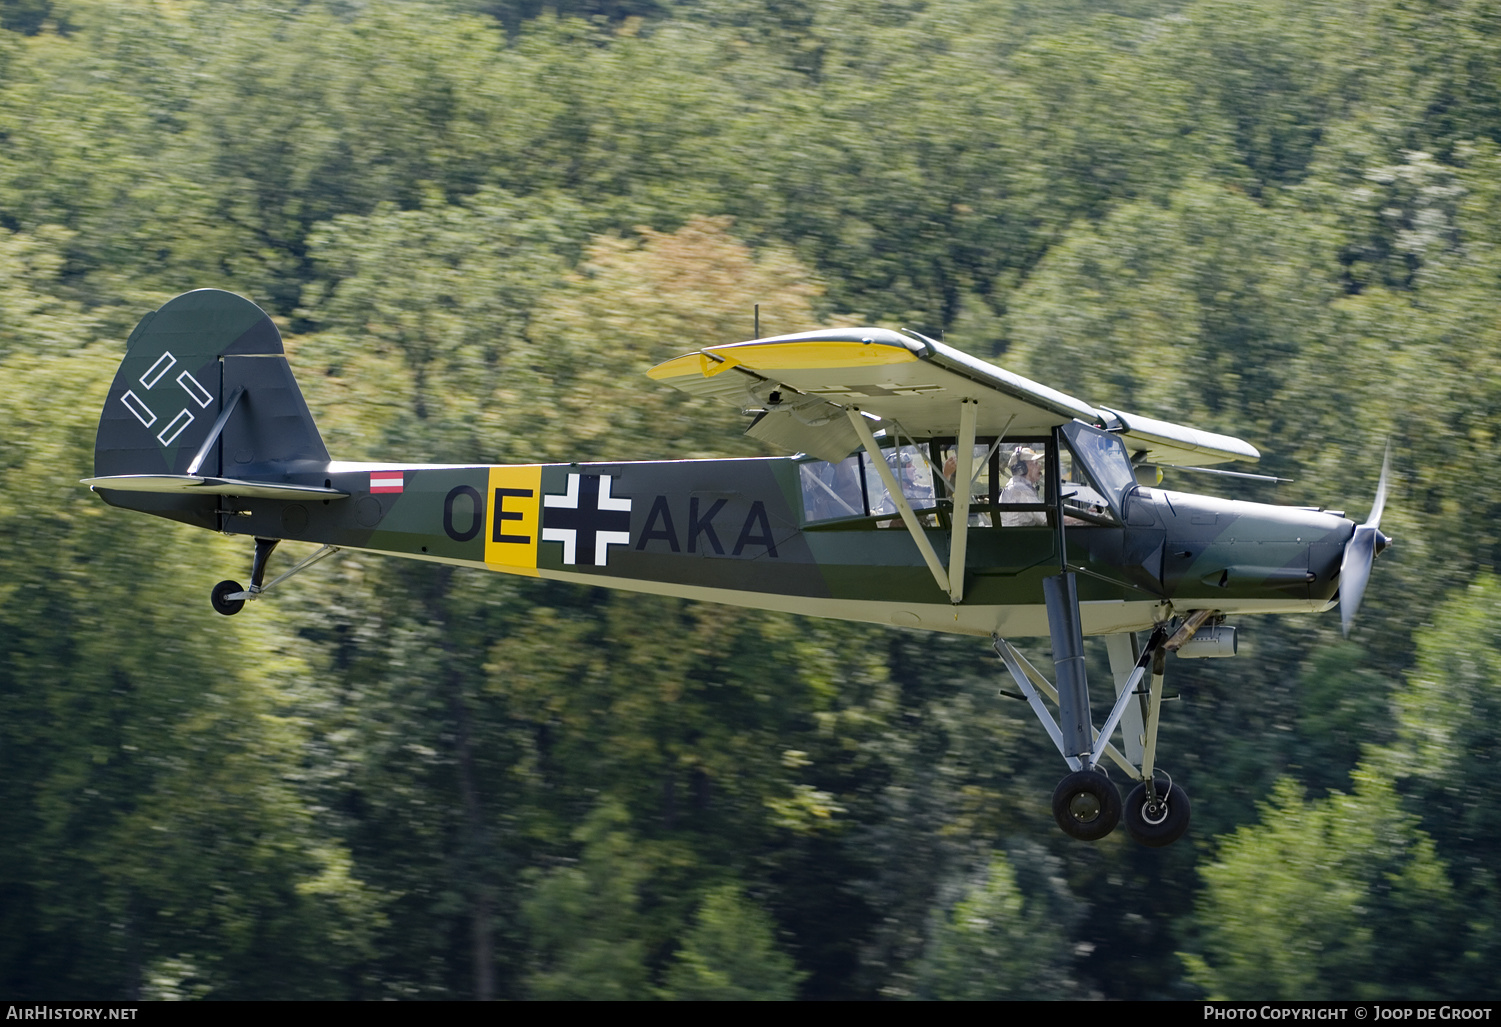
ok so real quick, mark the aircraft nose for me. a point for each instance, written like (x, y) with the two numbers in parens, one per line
(1382, 541)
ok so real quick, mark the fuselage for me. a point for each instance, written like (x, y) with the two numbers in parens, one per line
(744, 532)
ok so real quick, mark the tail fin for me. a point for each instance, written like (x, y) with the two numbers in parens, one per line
(204, 391)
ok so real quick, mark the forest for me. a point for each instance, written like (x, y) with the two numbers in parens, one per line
(477, 223)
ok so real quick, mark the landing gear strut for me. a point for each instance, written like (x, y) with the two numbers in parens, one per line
(229, 598)
(1086, 804)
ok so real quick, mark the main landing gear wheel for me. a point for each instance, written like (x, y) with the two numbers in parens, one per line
(1086, 805)
(228, 607)
(1157, 823)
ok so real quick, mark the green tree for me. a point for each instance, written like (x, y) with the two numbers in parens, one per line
(635, 301)
(1191, 311)
(1446, 714)
(423, 322)
(585, 923)
(730, 954)
(1331, 898)
(995, 943)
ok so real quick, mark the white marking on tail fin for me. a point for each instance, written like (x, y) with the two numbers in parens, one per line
(155, 371)
(143, 413)
(190, 385)
(175, 427)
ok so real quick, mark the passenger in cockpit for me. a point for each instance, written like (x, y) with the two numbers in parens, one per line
(1026, 473)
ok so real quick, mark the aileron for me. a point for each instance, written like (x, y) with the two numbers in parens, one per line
(1162, 442)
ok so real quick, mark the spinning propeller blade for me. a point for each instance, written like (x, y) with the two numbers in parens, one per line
(1360, 552)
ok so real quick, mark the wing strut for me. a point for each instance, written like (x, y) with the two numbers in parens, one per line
(862, 429)
(961, 490)
(959, 533)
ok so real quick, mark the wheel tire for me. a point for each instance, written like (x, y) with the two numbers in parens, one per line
(1086, 805)
(228, 607)
(1162, 825)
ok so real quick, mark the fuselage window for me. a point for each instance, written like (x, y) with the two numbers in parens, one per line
(1101, 468)
(982, 465)
(854, 488)
(909, 466)
(1023, 499)
(832, 491)
(1007, 484)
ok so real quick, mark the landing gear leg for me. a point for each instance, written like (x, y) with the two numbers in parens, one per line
(1085, 804)
(1157, 810)
(229, 598)
(264, 547)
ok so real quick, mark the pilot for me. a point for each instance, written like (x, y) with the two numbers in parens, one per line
(1026, 472)
(917, 483)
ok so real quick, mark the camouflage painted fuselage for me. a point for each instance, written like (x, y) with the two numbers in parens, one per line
(732, 531)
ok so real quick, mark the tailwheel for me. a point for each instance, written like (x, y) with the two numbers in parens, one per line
(229, 598)
(1158, 817)
(1086, 805)
(220, 598)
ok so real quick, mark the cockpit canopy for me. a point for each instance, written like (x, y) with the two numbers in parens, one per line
(1008, 485)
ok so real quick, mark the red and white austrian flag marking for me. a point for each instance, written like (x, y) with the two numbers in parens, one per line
(385, 481)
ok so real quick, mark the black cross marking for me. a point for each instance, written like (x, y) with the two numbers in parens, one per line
(585, 522)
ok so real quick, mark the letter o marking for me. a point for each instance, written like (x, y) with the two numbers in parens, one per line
(477, 505)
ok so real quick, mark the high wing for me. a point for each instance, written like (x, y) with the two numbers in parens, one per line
(802, 385)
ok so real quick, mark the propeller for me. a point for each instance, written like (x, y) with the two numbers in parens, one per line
(1360, 552)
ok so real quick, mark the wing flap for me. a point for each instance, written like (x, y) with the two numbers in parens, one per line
(171, 483)
(832, 441)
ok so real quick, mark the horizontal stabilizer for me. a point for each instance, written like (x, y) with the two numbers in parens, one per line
(169, 483)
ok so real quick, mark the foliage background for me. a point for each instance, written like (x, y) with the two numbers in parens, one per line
(477, 222)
